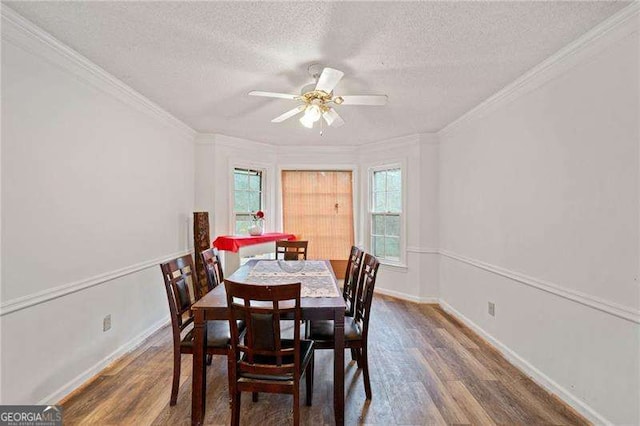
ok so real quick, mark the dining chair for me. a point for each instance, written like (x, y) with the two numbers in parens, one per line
(356, 328)
(291, 250)
(180, 281)
(351, 276)
(349, 287)
(212, 267)
(263, 361)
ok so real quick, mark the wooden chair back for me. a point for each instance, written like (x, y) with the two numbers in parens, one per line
(261, 307)
(212, 268)
(181, 284)
(351, 278)
(364, 296)
(291, 250)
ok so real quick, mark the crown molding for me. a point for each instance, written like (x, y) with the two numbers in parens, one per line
(301, 150)
(614, 28)
(429, 138)
(382, 145)
(24, 34)
(393, 143)
(233, 142)
(220, 139)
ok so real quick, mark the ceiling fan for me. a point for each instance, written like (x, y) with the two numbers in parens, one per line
(318, 99)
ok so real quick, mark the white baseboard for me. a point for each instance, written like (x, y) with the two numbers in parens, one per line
(405, 296)
(536, 375)
(79, 380)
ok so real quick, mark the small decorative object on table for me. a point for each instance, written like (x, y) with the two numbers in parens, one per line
(256, 227)
(291, 266)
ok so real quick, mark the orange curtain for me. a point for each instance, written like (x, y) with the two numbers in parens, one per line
(318, 207)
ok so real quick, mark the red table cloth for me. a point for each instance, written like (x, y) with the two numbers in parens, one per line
(234, 242)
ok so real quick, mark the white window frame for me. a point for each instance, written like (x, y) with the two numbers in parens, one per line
(232, 191)
(402, 262)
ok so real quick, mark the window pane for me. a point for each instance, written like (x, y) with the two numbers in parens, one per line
(379, 202)
(240, 180)
(394, 201)
(378, 224)
(392, 248)
(378, 246)
(254, 201)
(393, 226)
(245, 217)
(255, 182)
(242, 227)
(379, 179)
(394, 180)
(243, 222)
(241, 201)
(387, 209)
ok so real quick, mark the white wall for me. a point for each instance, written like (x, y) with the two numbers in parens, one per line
(531, 201)
(217, 154)
(97, 189)
(539, 213)
(417, 279)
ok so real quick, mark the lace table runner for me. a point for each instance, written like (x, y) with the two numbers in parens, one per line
(315, 278)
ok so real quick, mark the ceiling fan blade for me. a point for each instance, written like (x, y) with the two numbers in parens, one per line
(289, 114)
(328, 80)
(273, 95)
(364, 100)
(332, 118)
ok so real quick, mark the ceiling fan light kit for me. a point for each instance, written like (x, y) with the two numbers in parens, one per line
(319, 101)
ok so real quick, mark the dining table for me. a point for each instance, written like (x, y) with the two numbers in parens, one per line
(321, 299)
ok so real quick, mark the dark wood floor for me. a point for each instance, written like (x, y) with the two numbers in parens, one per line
(426, 368)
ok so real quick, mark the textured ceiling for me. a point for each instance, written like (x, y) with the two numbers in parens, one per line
(198, 60)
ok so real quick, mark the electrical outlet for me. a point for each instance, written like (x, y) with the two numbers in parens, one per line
(492, 309)
(106, 323)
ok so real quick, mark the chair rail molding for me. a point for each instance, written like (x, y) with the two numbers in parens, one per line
(424, 250)
(37, 298)
(615, 309)
(24, 34)
(614, 28)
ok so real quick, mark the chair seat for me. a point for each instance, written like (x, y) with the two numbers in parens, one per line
(323, 330)
(306, 351)
(218, 334)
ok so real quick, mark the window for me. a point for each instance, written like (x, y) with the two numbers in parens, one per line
(247, 197)
(317, 205)
(386, 213)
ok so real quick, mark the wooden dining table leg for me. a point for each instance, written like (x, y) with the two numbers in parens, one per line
(338, 367)
(199, 382)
